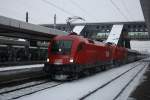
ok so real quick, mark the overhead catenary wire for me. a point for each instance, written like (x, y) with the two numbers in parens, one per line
(19, 14)
(78, 6)
(28, 5)
(82, 9)
(126, 8)
(118, 9)
(59, 8)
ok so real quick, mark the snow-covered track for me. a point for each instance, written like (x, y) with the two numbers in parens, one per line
(116, 97)
(21, 80)
(76, 89)
(11, 94)
(12, 89)
(115, 78)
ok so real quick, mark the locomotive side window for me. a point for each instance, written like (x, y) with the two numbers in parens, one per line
(61, 47)
(80, 47)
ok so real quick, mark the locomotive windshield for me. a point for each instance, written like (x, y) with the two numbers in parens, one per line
(61, 47)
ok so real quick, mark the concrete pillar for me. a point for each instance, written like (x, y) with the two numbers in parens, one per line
(145, 4)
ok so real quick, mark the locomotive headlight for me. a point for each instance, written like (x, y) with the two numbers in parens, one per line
(71, 60)
(47, 59)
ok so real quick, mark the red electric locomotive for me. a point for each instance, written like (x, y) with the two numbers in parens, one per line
(70, 55)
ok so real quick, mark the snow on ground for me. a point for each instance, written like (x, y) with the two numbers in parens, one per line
(20, 86)
(10, 95)
(21, 67)
(140, 45)
(109, 92)
(76, 89)
(126, 93)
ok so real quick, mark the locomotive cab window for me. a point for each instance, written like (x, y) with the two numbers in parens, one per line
(61, 47)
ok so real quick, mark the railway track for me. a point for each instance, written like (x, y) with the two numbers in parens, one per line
(16, 85)
(18, 92)
(109, 82)
(116, 97)
(22, 85)
(21, 91)
(21, 74)
(21, 80)
(19, 87)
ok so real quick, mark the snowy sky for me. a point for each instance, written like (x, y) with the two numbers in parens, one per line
(42, 11)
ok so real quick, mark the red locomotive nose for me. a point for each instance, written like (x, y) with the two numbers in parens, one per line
(60, 52)
(61, 59)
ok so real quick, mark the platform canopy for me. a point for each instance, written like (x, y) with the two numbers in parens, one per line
(15, 28)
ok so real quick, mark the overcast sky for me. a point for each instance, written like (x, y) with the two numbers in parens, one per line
(42, 11)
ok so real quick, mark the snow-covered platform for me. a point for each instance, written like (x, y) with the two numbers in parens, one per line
(113, 84)
(18, 74)
(11, 68)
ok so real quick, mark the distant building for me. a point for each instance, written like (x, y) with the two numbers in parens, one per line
(135, 30)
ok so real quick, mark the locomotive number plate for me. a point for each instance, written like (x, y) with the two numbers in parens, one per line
(58, 61)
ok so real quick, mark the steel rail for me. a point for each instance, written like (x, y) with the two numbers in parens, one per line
(129, 82)
(105, 84)
(35, 91)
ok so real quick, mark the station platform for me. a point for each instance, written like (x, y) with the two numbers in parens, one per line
(23, 72)
(11, 68)
(142, 92)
